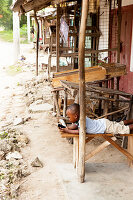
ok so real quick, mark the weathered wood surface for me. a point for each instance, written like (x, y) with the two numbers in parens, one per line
(67, 135)
(91, 74)
(114, 69)
(74, 86)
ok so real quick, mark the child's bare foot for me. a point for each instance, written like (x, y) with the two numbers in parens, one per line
(131, 128)
(127, 122)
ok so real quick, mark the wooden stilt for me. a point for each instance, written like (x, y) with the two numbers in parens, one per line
(119, 40)
(65, 103)
(130, 139)
(82, 133)
(55, 95)
(105, 102)
(74, 152)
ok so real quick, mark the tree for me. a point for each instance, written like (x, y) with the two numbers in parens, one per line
(6, 13)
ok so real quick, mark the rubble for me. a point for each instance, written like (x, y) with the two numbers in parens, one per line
(37, 96)
(18, 121)
(12, 166)
(15, 155)
(36, 163)
(40, 107)
(37, 91)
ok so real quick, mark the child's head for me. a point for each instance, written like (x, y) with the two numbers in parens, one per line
(73, 112)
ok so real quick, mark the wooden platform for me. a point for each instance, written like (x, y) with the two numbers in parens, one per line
(109, 139)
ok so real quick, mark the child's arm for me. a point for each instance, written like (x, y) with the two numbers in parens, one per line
(72, 127)
(67, 130)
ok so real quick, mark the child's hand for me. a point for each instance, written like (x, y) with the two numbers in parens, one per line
(65, 130)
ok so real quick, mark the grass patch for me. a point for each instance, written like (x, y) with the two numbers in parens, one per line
(14, 69)
(6, 36)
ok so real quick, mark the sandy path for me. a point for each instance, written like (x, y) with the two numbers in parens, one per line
(46, 143)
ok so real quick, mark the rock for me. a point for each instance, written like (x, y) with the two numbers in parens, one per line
(7, 87)
(14, 190)
(23, 139)
(1, 155)
(38, 102)
(18, 121)
(40, 108)
(15, 155)
(4, 146)
(36, 163)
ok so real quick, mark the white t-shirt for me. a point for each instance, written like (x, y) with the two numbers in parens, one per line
(95, 126)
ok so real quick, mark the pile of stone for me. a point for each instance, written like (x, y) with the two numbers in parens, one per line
(12, 166)
(38, 94)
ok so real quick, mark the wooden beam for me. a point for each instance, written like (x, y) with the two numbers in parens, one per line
(68, 135)
(114, 112)
(126, 153)
(36, 5)
(98, 149)
(82, 132)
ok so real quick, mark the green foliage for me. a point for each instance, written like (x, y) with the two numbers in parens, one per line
(6, 36)
(23, 31)
(6, 12)
(2, 176)
(23, 20)
(3, 135)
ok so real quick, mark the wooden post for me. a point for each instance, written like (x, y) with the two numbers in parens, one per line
(65, 102)
(130, 139)
(37, 42)
(106, 102)
(119, 40)
(109, 31)
(57, 38)
(112, 96)
(55, 95)
(81, 55)
(119, 30)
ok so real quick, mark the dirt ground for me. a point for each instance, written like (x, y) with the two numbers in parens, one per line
(53, 151)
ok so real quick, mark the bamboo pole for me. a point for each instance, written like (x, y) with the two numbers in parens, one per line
(82, 133)
(37, 42)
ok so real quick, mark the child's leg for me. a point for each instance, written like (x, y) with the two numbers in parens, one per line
(127, 122)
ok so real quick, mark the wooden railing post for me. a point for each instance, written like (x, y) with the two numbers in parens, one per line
(82, 133)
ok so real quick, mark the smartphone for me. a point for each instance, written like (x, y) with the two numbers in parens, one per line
(61, 126)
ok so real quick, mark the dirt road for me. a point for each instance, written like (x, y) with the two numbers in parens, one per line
(107, 176)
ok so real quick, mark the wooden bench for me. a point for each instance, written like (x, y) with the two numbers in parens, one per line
(109, 139)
